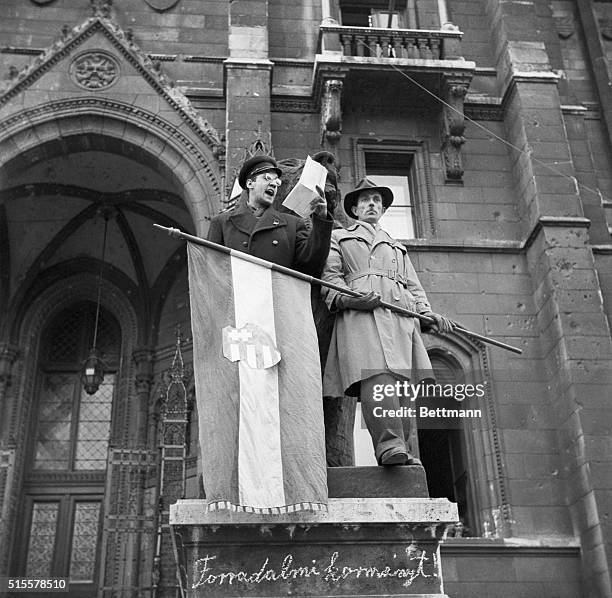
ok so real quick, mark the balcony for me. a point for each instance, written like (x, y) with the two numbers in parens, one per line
(372, 42)
(431, 57)
(366, 70)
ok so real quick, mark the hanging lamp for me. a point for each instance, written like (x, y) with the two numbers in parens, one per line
(93, 368)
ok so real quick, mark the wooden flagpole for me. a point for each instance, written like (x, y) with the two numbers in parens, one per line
(178, 234)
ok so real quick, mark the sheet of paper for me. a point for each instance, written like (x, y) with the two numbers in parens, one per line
(299, 198)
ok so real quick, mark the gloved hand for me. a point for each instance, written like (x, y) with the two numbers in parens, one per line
(442, 323)
(318, 204)
(367, 302)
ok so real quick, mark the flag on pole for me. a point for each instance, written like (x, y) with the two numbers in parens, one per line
(258, 386)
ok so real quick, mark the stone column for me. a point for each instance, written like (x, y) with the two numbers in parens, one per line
(143, 358)
(599, 62)
(428, 14)
(575, 348)
(248, 79)
(8, 353)
(442, 13)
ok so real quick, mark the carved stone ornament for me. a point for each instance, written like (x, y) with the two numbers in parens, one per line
(101, 8)
(331, 112)
(605, 26)
(565, 26)
(161, 5)
(453, 127)
(94, 70)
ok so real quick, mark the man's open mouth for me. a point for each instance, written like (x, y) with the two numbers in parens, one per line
(271, 191)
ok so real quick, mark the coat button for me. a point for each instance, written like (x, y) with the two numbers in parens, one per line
(393, 260)
(275, 242)
(245, 243)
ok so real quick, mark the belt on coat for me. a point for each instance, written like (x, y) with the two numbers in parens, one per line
(391, 274)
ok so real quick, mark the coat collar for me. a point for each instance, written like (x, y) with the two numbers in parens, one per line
(371, 229)
(382, 236)
(372, 235)
(244, 220)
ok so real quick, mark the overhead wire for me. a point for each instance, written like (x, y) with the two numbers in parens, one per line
(528, 152)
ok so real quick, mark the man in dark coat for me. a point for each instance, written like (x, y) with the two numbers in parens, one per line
(255, 227)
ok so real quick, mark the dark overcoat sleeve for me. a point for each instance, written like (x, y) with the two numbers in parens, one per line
(215, 231)
(312, 247)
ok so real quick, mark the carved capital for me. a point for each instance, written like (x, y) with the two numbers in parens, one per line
(458, 91)
(143, 383)
(143, 358)
(452, 128)
(143, 355)
(605, 26)
(331, 111)
(565, 26)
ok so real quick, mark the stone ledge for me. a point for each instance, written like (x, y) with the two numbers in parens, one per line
(355, 596)
(557, 546)
(425, 64)
(431, 511)
(244, 62)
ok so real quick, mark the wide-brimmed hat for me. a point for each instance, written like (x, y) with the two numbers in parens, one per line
(256, 165)
(351, 198)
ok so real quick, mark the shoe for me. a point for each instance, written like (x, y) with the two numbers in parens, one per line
(413, 461)
(395, 456)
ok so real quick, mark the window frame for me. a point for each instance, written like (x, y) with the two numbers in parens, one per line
(72, 485)
(62, 550)
(43, 368)
(419, 176)
(405, 9)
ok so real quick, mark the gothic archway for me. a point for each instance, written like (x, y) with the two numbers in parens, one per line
(34, 134)
(66, 167)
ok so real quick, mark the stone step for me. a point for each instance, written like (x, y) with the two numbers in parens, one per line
(403, 481)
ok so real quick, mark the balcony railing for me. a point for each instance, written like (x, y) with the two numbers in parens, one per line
(391, 43)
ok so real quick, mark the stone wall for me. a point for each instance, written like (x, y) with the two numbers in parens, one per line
(519, 249)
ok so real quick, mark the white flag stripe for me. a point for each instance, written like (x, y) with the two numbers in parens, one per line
(251, 356)
(235, 352)
(267, 356)
(260, 471)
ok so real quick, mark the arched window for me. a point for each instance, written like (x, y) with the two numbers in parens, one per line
(69, 434)
(443, 449)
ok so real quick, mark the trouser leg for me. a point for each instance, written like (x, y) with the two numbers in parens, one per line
(386, 432)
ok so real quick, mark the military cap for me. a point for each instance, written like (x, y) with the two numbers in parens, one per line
(256, 165)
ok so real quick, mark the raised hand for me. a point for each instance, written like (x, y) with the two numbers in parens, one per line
(318, 203)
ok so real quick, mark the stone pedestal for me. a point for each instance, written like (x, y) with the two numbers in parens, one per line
(371, 547)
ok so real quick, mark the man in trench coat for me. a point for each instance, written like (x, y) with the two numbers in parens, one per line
(372, 345)
(255, 227)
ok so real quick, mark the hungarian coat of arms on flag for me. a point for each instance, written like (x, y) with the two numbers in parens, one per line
(258, 386)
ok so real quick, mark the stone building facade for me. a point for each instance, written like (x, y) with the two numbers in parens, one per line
(495, 119)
